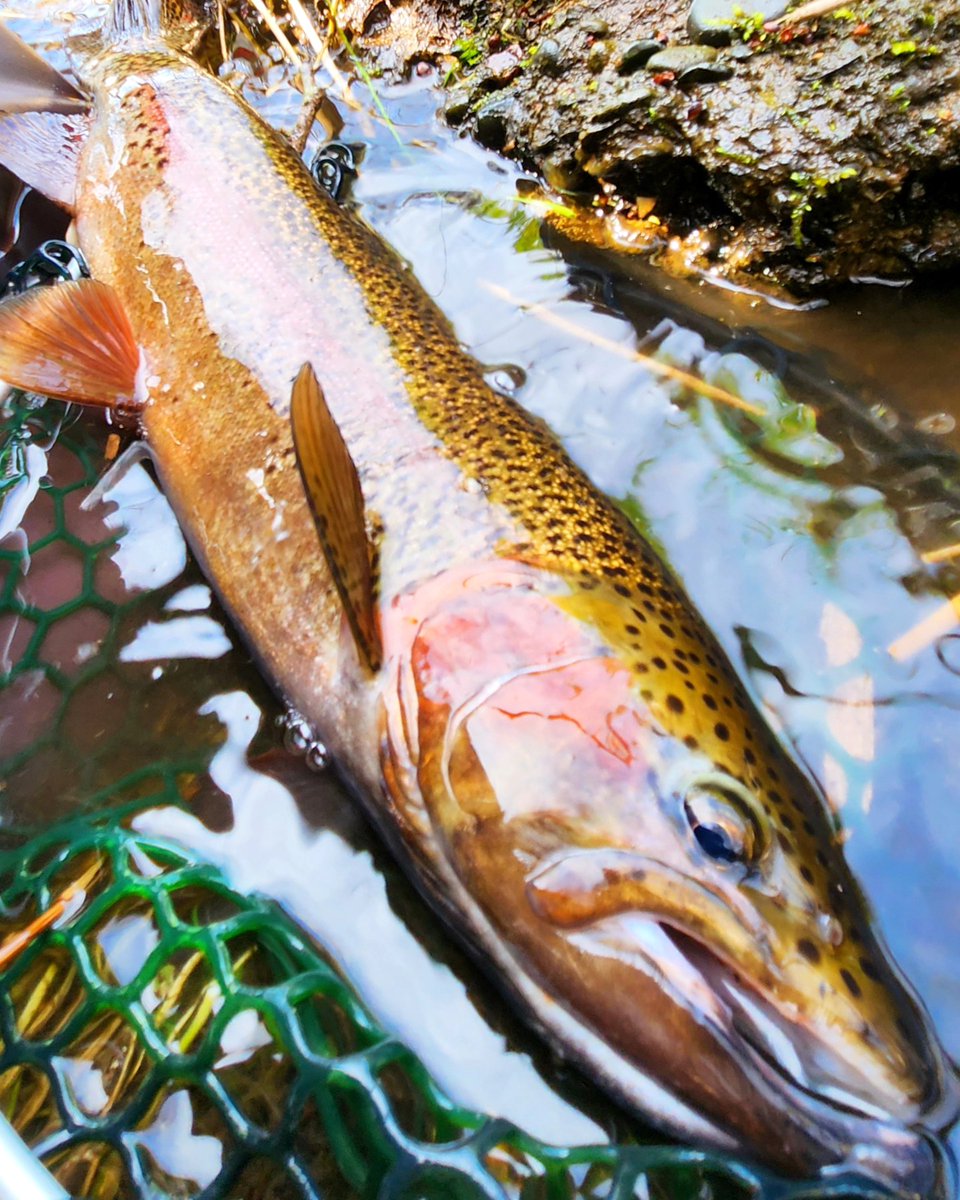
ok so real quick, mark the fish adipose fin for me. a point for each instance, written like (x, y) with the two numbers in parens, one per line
(71, 341)
(336, 498)
(28, 84)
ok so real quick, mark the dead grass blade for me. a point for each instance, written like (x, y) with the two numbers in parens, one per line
(941, 621)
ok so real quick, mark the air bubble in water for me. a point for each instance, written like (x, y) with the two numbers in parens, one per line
(318, 756)
(297, 734)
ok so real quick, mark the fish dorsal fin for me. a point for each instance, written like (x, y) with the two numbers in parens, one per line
(28, 84)
(72, 341)
(336, 498)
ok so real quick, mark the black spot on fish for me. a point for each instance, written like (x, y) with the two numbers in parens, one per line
(675, 704)
(852, 986)
(808, 950)
(867, 967)
(722, 732)
(710, 703)
(659, 663)
(807, 874)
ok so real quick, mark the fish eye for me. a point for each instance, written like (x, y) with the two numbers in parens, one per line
(721, 823)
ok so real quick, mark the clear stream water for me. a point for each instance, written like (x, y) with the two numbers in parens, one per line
(798, 536)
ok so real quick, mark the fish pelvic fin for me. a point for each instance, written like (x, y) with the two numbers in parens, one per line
(28, 84)
(333, 489)
(72, 341)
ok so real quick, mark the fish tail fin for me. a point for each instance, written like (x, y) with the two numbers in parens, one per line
(136, 18)
(128, 18)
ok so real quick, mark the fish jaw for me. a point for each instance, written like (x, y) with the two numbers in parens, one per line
(546, 798)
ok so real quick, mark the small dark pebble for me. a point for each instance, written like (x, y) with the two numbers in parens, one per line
(636, 55)
(703, 73)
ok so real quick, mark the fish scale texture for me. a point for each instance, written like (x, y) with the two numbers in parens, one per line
(231, 1035)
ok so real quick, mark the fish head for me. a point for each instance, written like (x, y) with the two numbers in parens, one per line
(658, 864)
(750, 886)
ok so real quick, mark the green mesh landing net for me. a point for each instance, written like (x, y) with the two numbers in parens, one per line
(171, 1038)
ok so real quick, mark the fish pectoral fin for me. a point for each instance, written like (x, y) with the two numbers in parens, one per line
(72, 341)
(12, 191)
(28, 84)
(336, 498)
(43, 150)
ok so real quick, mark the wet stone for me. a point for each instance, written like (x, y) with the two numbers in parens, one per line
(637, 54)
(457, 110)
(493, 122)
(612, 103)
(549, 58)
(594, 25)
(680, 58)
(713, 72)
(499, 69)
(710, 21)
(598, 57)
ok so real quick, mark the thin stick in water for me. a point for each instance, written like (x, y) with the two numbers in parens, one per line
(652, 364)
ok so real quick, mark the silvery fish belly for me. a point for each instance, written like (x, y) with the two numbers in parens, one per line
(536, 717)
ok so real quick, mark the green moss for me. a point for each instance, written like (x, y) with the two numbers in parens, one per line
(467, 50)
(746, 160)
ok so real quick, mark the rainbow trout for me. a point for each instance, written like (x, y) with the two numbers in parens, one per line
(534, 714)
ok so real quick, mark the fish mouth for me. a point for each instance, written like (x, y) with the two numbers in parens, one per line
(821, 1092)
(719, 958)
(777, 1043)
(860, 1132)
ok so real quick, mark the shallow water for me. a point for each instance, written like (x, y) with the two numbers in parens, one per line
(799, 538)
